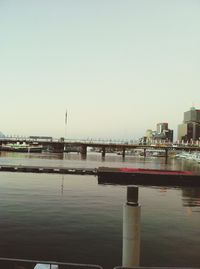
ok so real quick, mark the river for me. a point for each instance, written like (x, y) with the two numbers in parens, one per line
(73, 219)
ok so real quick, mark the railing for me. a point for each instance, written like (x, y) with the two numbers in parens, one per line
(66, 140)
(8, 263)
(92, 141)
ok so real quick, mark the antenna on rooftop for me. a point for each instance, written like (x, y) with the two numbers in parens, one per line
(193, 106)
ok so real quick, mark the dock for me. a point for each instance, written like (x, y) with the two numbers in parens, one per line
(147, 177)
(48, 170)
(118, 176)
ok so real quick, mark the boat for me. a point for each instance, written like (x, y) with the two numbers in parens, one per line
(24, 147)
(194, 156)
(148, 177)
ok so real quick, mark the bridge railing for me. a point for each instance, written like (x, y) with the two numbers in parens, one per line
(90, 141)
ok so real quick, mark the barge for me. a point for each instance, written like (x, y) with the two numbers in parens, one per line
(147, 177)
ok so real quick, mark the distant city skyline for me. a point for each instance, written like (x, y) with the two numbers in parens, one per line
(118, 67)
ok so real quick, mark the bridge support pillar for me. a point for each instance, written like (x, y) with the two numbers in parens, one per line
(103, 154)
(123, 152)
(166, 155)
(58, 148)
(83, 151)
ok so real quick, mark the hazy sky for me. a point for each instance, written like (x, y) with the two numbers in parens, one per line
(118, 66)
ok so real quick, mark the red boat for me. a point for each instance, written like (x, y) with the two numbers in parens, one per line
(149, 177)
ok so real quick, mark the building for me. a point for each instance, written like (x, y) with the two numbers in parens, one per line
(149, 134)
(193, 115)
(162, 134)
(161, 127)
(166, 135)
(189, 130)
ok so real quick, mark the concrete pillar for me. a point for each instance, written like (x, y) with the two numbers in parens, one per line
(103, 154)
(123, 152)
(83, 151)
(131, 229)
(166, 156)
(58, 147)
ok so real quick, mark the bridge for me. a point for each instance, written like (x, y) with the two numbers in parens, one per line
(59, 145)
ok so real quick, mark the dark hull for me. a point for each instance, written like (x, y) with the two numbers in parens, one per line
(147, 179)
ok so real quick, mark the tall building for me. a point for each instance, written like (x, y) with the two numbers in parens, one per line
(161, 127)
(190, 128)
(193, 115)
(162, 134)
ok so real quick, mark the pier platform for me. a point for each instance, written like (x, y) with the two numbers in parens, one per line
(48, 170)
(147, 177)
(119, 176)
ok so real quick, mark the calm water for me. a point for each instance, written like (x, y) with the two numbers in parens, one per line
(72, 218)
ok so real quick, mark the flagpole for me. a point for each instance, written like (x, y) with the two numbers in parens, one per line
(66, 124)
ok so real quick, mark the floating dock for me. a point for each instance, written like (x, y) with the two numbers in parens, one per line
(147, 177)
(48, 170)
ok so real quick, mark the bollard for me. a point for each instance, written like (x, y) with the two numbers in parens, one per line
(131, 229)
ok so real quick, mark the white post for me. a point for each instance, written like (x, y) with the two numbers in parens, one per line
(131, 229)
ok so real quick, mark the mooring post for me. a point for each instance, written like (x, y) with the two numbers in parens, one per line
(131, 229)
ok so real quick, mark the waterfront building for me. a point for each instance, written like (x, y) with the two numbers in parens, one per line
(189, 130)
(162, 134)
(149, 134)
(161, 127)
(193, 115)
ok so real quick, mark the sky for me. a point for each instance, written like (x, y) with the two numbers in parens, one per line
(118, 67)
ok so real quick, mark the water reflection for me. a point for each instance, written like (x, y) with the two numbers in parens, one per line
(53, 217)
(62, 185)
(191, 197)
(93, 159)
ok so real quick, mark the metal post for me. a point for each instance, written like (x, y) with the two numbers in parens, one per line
(131, 229)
